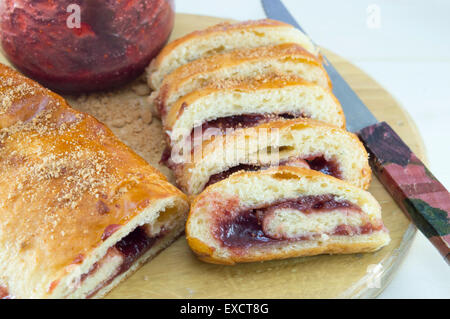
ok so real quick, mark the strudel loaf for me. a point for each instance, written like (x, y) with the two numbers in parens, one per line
(79, 210)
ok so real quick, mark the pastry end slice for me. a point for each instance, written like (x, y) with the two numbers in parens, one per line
(281, 213)
(221, 38)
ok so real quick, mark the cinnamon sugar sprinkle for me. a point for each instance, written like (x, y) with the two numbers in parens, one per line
(45, 159)
(227, 26)
(68, 175)
(210, 63)
(274, 51)
(68, 169)
(14, 92)
(254, 82)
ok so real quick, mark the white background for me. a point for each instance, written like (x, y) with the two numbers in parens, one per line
(409, 55)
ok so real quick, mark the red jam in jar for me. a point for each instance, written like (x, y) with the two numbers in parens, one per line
(74, 46)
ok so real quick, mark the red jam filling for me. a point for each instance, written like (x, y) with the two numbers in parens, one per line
(112, 44)
(220, 176)
(131, 248)
(243, 121)
(245, 229)
(220, 125)
(329, 167)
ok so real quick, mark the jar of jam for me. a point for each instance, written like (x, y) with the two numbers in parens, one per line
(74, 46)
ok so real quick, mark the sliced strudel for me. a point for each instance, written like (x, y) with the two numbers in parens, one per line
(222, 38)
(249, 103)
(298, 142)
(286, 59)
(281, 213)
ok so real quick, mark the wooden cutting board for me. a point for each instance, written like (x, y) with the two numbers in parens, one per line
(176, 273)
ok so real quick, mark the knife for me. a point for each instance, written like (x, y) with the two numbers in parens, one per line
(419, 194)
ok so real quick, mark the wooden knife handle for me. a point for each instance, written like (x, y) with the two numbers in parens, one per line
(418, 193)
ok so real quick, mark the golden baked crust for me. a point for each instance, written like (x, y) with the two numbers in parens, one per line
(209, 252)
(218, 28)
(282, 52)
(288, 50)
(222, 38)
(64, 178)
(201, 249)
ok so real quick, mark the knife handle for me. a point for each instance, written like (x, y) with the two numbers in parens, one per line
(418, 193)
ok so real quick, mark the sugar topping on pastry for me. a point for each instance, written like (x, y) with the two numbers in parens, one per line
(65, 182)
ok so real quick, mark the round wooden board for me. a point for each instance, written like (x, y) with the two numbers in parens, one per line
(176, 273)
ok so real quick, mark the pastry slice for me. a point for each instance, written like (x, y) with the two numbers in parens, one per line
(281, 213)
(79, 210)
(248, 103)
(222, 38)
(298, 142)
(286, 59)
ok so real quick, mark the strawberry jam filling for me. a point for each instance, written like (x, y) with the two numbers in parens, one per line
(225, 174)
(321, 164)
(245, 229)
(111, 44)
(220, 125)
(133, 246)
(318, 163)
(130, 249)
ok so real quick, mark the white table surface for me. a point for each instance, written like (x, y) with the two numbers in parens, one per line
(407, 51)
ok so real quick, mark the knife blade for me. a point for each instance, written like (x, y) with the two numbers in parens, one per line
(424, 200)
(357, 114)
